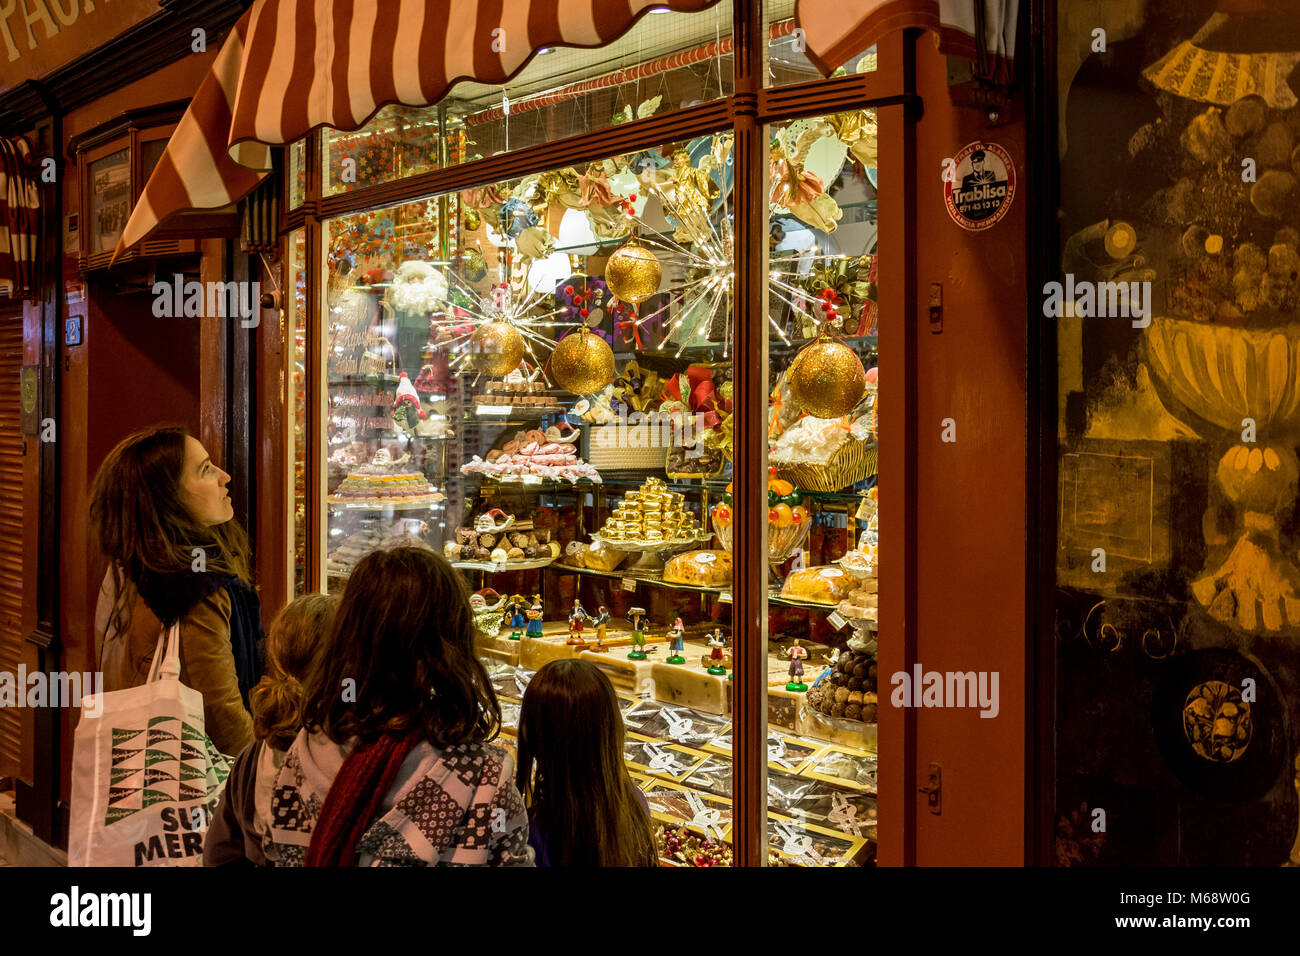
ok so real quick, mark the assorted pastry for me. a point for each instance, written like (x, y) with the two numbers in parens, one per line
(351, 549)
(550, 454)
(708, 569)
(861, 603)
(499, 538)
(820, 585)
(385, 481)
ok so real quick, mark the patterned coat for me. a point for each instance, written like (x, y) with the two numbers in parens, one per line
(455, 807)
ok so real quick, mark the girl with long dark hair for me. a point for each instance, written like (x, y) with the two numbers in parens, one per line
(583, 808)
(393, 766)
(160, 513)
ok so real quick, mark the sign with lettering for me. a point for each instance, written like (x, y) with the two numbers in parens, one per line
(39, 36)
(979, 186)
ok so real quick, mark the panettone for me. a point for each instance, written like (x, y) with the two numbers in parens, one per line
(699, 568)
(822, 585)
(602, 559)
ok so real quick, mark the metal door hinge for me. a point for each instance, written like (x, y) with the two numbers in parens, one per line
(933, 790)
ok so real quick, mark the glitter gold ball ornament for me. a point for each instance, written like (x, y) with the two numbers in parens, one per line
(632, 272)
(827, 379)
(496, 348)
(582, 363)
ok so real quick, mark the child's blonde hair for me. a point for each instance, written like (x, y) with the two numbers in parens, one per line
(292, 644)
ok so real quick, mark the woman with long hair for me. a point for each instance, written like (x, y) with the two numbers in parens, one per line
(293, 646)
(161, 515)
(393, 766)
(583, 808)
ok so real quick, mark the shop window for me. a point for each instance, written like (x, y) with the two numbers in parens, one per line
(534, 378)
(822, 530)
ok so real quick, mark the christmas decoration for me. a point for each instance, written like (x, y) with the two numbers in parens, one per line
(826, 378)
(516, 216)
(582, 363)
(470, 265)
(407, 412)
(633, 272)
(496, 348)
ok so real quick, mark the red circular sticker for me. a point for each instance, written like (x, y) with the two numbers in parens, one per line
(978, 185)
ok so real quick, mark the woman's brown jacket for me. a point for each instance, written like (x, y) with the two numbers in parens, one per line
(207, 662)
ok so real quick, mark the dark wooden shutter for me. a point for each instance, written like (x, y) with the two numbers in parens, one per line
(11, 530)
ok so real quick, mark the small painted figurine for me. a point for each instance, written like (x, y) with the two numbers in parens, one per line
(717, 642)
(517, 606)
(797, 654)
(576, 617)
(534, 615)
(637, 616)
(602, 627)
(677, 642)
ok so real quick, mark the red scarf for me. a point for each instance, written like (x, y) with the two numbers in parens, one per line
(354, 798)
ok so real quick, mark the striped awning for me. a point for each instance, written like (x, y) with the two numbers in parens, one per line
(290, 66)
(20, 205)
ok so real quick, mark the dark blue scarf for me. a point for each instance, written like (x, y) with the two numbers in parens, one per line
(172, 596)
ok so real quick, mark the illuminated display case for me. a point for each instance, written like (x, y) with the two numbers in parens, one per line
(607, 338)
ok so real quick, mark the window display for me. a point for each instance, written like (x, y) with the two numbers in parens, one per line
(535, 377)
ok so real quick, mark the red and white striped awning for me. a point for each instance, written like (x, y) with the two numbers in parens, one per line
(20, 204)
(290, 66)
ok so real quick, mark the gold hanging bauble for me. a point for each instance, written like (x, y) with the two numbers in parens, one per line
(827, 379)
(632, 272)
(496, 349)
(582, 363)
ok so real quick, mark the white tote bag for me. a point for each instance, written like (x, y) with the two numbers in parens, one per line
(145, 776)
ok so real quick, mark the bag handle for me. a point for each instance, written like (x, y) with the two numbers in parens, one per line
(166, 656)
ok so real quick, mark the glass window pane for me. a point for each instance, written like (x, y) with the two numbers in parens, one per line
(822, 541)
(151, 151)
(667, 61)
(788, 62)
(399, 141)
(110, 200)
(549, 475)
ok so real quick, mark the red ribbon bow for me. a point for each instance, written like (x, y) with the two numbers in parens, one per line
(702, 398)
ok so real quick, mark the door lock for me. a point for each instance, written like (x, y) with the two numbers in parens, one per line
(933, 790)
